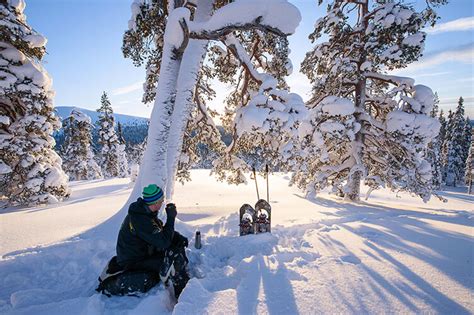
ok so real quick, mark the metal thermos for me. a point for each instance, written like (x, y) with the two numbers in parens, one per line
(197, 240)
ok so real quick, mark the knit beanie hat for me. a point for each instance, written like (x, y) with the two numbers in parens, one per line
(152, 194)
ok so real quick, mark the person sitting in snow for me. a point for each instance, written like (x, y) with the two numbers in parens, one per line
(145, 244)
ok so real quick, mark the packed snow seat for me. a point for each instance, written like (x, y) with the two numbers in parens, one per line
(114, 280)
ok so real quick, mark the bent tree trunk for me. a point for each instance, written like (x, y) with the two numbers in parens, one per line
(193, 58)
(154, 165)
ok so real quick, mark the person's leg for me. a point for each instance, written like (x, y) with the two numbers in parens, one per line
(177, 256)
(152, 263)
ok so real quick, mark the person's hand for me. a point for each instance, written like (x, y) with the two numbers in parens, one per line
(180, 240)
(171, 210)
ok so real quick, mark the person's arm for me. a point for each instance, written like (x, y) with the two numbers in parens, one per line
(150, 233)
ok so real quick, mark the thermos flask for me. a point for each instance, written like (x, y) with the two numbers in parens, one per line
(197, 240)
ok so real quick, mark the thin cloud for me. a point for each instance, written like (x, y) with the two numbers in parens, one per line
(462, 24)
(433, 74)
(463, 54)
(454, 100)
(128, 89)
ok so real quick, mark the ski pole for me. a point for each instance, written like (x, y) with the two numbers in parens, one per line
(268, 194)
(255, 177)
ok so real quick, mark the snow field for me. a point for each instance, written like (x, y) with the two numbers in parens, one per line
(387, 255)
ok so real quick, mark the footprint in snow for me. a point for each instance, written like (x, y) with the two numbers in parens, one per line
(350, 259)
(370, 235)
(328, 228)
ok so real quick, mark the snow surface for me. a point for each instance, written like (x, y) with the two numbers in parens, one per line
(387, 255)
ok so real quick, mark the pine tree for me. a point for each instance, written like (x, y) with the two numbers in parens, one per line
(120, 133)
(467, 135)
(255, 38)
(366, 124)
(122, 153)
(134, 156)
(123, 166)
(433, 151)
(108, 140)
(455, 142)
(30, 169)
(79, 160)
(469, 173)
(444, 149)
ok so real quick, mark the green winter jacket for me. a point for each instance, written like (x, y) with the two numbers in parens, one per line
(140, 230)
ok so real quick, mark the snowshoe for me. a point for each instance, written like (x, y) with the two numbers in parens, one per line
(247, 219)
(263, 212)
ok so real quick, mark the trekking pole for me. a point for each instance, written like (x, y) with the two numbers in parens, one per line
(255, 177)
(268, 194)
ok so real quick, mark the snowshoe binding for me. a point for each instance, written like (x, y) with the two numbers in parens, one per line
(263, 212)
(247, 219)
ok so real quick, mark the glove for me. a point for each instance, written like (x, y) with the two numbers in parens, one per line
(179, 240)
(171, 210)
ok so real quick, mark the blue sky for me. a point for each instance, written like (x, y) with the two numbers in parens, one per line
(85, 37)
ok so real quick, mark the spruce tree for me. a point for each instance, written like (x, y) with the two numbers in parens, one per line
(455, 142)
(108, 140)
(122, 153)
(433, 151)
(366, 124)
(233, 51)
(469, 173)
(79, 159)
(30, 169)
(447, 136)
(467, 135)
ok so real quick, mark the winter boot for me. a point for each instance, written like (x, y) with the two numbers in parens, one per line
(174, 268)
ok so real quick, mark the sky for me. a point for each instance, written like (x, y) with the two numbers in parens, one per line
(85, 58)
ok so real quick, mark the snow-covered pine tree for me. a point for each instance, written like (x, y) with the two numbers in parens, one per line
(110, 147)
(30, 169)
(236, 34)
(433, 151)
(455, 142)
(79, 159)
(467, 135)
(134, 157)
(442, 128)
(124, 167)
(120, 133)
(366, 124)
(469, 173)
(447, 136)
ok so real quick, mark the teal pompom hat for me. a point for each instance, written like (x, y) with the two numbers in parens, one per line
(152, 194)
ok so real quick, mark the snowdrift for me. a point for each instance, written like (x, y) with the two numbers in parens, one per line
(390, 254)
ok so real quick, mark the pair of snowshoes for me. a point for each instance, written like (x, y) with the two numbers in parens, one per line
(255, 220)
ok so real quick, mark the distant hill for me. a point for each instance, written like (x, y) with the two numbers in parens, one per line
(64, 111)
(134, 129)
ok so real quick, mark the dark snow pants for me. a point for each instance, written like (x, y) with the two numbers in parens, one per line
(152, 263)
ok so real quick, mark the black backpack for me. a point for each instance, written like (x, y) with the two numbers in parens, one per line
(115, 280)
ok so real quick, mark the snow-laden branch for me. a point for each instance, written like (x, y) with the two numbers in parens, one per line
(278, 17)
(241, 54)
(275, 16)
(393, 79)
